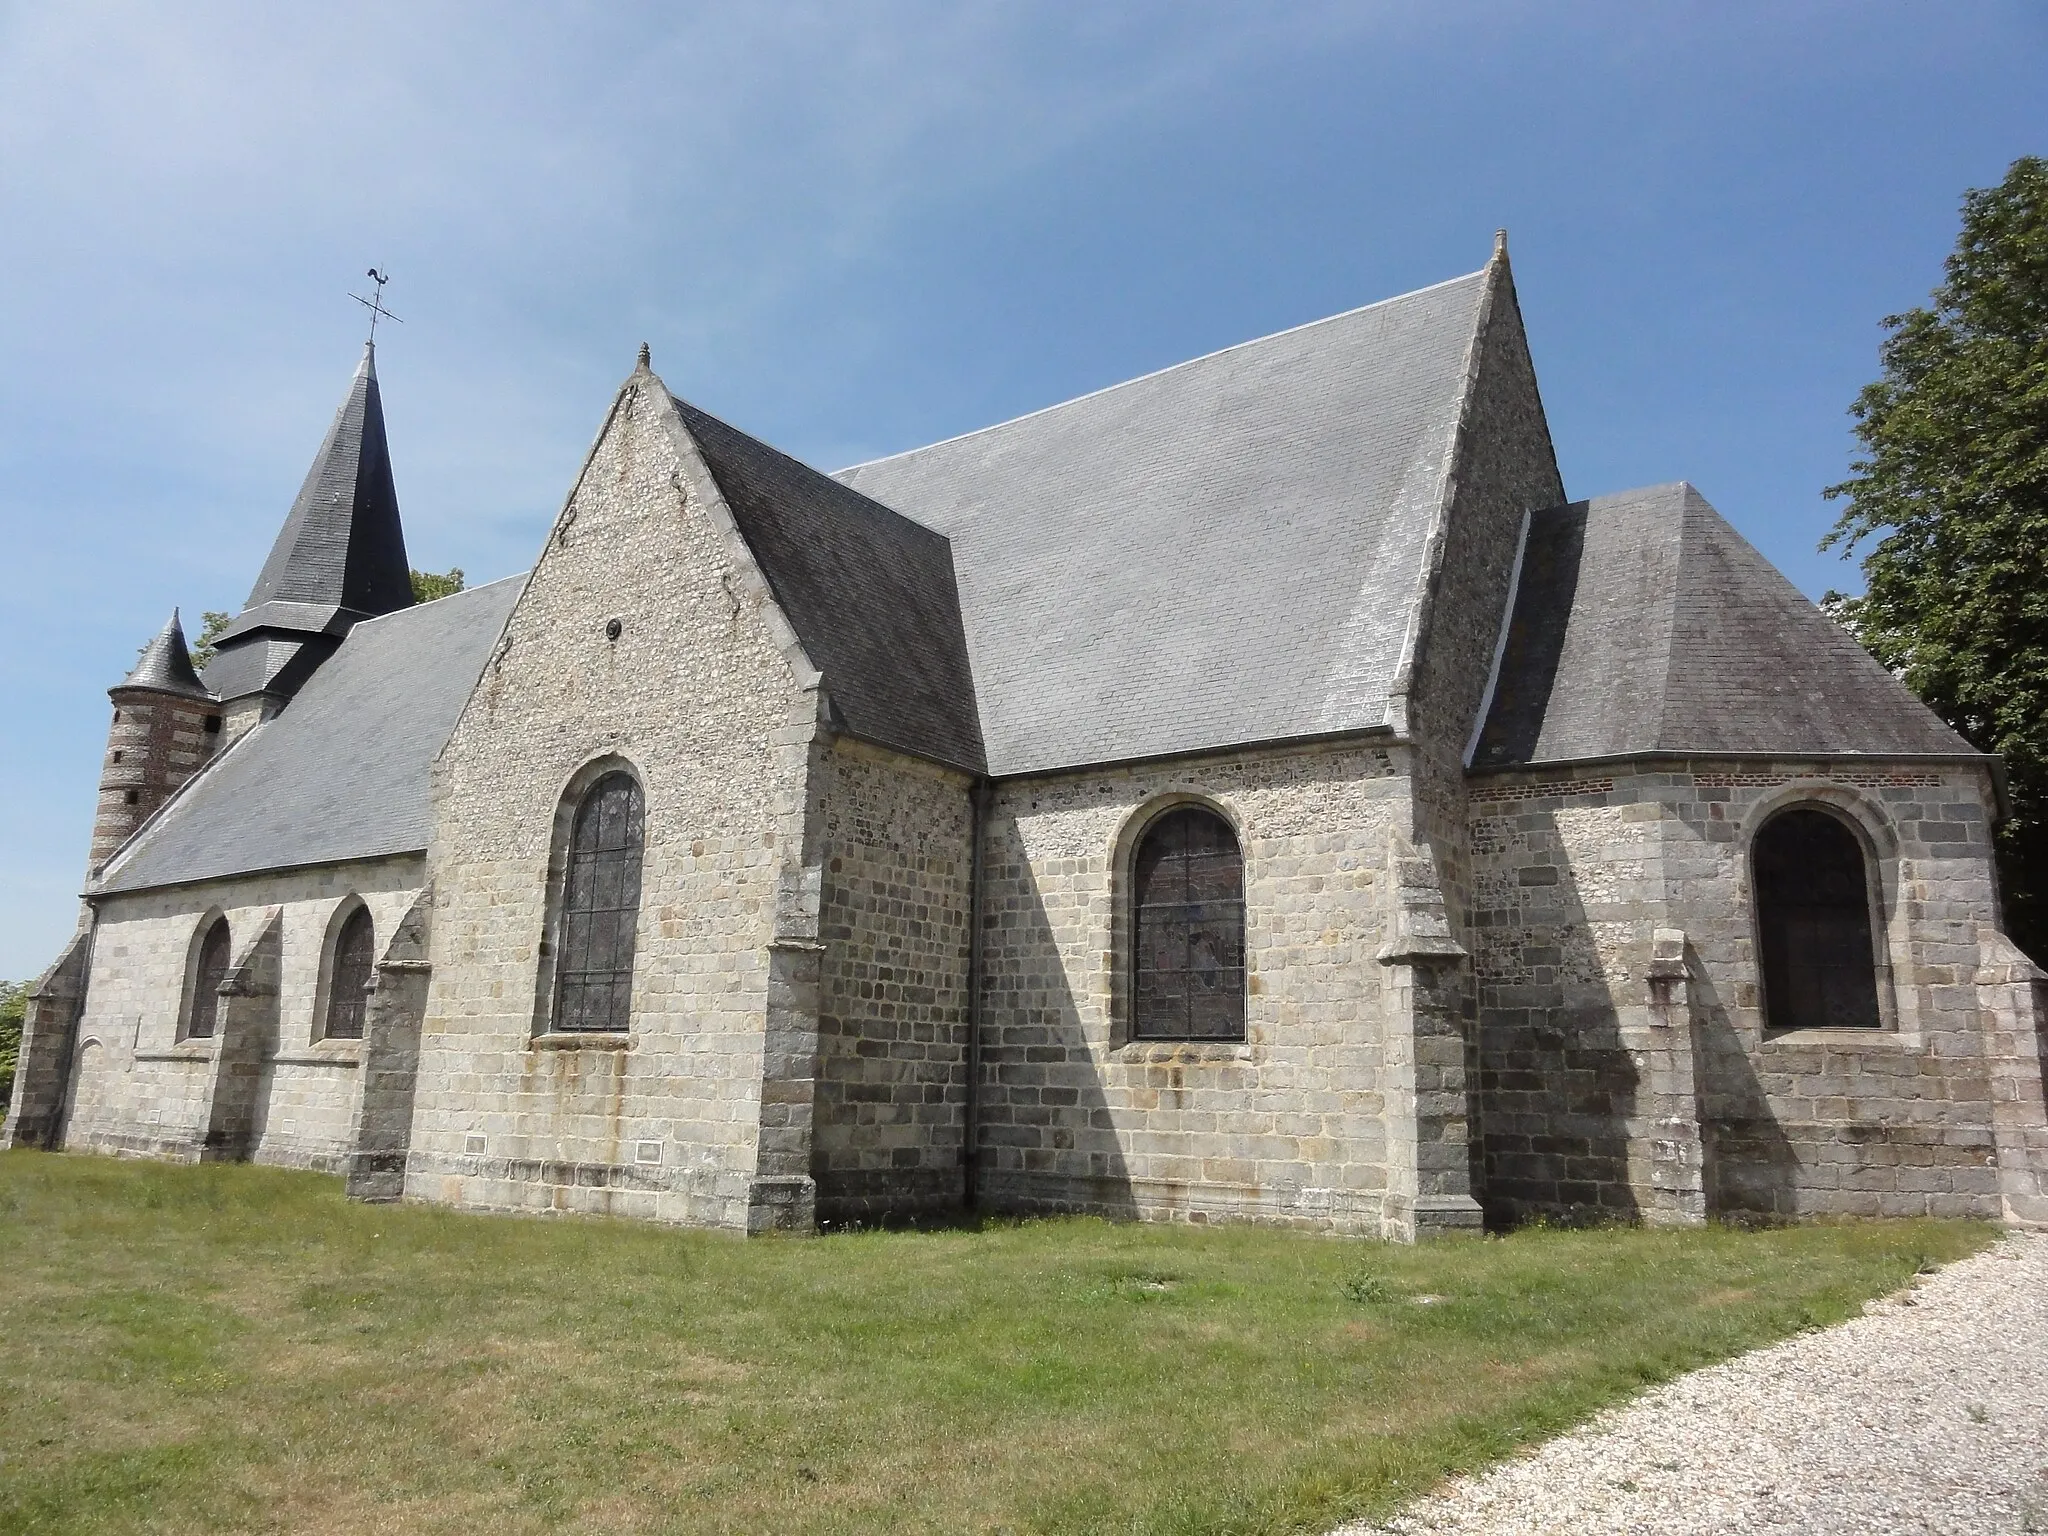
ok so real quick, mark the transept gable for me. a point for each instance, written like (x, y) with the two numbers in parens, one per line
(1499, 468)
(645, 629)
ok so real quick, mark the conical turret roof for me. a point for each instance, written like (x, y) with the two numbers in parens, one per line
(341, 552)
(166, 665)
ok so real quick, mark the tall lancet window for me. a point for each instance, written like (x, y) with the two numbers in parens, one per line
(1813, 924)
(209, 970)
(600, 909)
(348, 981)
(1188, 890)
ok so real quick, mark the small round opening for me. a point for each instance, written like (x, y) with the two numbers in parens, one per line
(613, 628)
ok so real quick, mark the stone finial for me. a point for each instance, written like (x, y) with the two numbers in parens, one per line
(1500, 244)
(646, 363)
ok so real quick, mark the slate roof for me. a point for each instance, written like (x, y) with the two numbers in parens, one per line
(1219, 553)
(870, 594)
(341, 553)
(1643, 622)
(166, 665)
(342, 773)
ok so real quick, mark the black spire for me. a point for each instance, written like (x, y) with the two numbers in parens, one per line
(342, 546)
(339, 558)
(166, 666)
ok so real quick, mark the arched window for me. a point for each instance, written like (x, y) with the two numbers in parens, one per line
(600, 909)
(1813, 922)
(1188, 905)
(208, 972)
(348, 977)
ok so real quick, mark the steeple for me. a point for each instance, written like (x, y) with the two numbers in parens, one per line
(339, 558)
(166, 666)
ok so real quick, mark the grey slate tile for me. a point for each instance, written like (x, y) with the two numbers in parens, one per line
(343, 772)
(1645, 623)
(869, 593)
(1220, 553)
(342, 548)
(166, 665)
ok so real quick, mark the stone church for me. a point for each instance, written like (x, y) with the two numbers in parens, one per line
(1256, 791)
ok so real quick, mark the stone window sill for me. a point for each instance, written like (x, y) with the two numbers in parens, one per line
(1189, 1051)
(564, 1040)
(325, 1053)
(196, 1050)
(1844, 1039)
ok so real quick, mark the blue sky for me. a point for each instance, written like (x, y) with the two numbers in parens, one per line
(853, 228)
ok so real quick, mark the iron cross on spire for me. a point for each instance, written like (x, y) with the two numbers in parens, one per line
(375, 305)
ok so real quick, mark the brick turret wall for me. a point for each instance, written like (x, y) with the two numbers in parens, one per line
(156, 742)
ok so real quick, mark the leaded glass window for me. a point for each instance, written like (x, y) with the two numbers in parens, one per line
(208, 974)
(1189, 932)
(348, 983)
(1813, 920)
(600, 909)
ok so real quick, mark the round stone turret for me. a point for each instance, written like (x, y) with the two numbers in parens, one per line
(166, 725)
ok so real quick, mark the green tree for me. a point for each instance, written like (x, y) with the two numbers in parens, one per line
(426, 586)
(13, 1009)
(212, 625)
(1953, 490)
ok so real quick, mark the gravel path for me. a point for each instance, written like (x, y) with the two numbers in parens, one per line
(1927, 1414)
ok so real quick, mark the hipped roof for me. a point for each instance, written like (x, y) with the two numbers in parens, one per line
(1644, 623)
(870, 594)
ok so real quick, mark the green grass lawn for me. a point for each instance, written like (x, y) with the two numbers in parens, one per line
(231, 1348)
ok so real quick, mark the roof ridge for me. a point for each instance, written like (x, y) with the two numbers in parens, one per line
(1236, 346)
(1674, 596)
(1422, 594)
(808, 467)
(399, 613)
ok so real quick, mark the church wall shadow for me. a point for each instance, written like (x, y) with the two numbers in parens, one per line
(1557, 1085)
(1752, 1165)
(1048, 1139)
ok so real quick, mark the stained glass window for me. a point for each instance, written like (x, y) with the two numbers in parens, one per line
(348, 985)
(209, 972)
(600, 909)
(1813, 919)
(1189, 907)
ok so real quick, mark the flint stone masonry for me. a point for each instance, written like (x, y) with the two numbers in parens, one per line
(702, 700)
